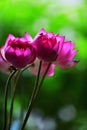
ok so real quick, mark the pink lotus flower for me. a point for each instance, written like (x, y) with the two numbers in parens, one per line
(4, 65)
(46, 46)
(19, 51)
(53, 48)
(65, 57)
(34, 68)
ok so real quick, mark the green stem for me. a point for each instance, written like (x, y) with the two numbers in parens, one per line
(12, 101)
(32, 98)
(42, 80)
(12, 84)
(5, 102)
(13, 94)
(26, 67)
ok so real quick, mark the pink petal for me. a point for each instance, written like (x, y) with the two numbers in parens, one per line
(60, 41)
(66, 51)
(4, 65)
(34, 69)
(10, 37)
(28, 37)
(50, 34)
(42, 31)
(66, 65)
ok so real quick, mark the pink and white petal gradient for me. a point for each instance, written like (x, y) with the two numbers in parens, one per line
(4, 65)
(34, 69)
(65, 57)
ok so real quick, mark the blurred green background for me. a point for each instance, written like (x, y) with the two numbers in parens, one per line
(62, 101)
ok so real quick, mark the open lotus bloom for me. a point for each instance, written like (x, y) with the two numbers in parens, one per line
(52, 48)
(65, 57)
(34, 68)
(4, 65)
(19, 51)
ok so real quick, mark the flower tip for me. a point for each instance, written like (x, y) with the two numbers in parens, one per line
(10, 36)
(50, 34)
(60, 38)
(42, 31)
(76, 61)
(28, 37)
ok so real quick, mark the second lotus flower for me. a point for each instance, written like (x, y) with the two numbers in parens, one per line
(53, 48)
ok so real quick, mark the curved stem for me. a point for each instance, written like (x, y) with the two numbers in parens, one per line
(32, 98)
(26, 67)
(34, 95)
(13, 95)
(5, 102)
(12, 84)
(12, 101)
(42, 80)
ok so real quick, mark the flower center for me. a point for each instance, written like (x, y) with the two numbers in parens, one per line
(19, 44)
(48, 42)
